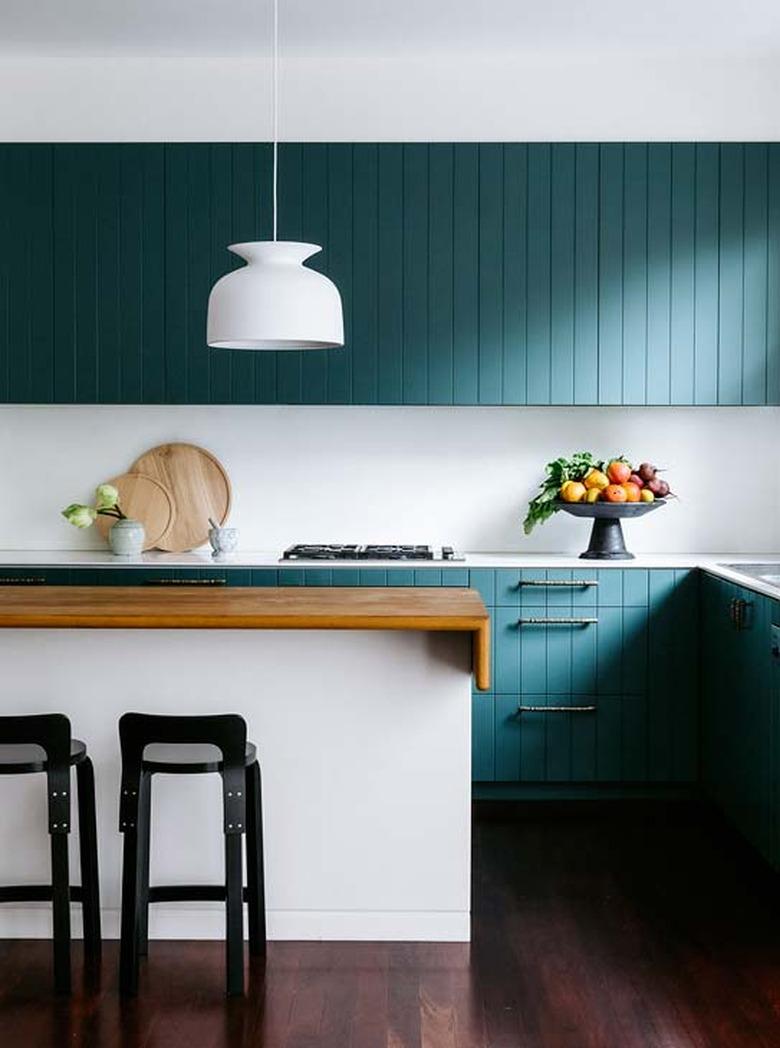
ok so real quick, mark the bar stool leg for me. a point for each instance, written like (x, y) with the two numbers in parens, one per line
(128, 950)
(234, 914)
(60, 911)
(85, 781)
(254, 862)
(144, 850)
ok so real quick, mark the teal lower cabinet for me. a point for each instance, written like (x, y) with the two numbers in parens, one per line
(740, 742)
(596, 679)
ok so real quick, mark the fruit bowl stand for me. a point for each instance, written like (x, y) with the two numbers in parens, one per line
(606, 537)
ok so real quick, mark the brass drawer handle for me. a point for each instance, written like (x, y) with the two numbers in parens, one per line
(555, 709)
(25, 580)
(185, 582)
(558, 582)
(556, 622)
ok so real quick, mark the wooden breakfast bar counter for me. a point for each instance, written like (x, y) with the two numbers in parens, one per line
(359, 701)
(260, 608)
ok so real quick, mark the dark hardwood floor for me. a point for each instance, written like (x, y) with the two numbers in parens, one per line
(644, 929)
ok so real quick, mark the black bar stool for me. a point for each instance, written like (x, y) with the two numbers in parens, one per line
(151, 745)
(43, 743)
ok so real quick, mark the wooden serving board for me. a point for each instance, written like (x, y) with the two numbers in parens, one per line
(143, 498)
(199, 487)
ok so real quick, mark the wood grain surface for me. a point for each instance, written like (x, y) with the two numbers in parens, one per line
(142, 497)
(281, 607)
(200, 488)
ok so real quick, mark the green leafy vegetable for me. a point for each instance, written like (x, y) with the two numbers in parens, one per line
(544, 505)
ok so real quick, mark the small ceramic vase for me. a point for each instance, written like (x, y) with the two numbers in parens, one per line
(126, 538)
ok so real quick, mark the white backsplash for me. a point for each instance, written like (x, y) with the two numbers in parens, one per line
(405, 474)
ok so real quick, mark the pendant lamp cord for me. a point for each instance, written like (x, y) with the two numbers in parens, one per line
(276, 108)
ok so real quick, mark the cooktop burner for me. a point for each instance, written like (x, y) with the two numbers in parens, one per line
(339, 551)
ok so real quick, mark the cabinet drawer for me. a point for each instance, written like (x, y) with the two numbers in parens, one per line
(564, 739)
(568, 588)
(585, 652)
(538, 650)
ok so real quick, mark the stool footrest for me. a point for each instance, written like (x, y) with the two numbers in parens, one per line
(190, 893)
(35, 893)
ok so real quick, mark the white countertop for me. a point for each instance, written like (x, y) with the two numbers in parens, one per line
(271, 559)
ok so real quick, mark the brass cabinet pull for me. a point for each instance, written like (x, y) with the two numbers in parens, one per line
(739, 608)
(185, 582)
(558, 582)
(556, 622)
(25, 580)
(555, 709)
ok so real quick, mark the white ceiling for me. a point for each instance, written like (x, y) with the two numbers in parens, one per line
(227, 27)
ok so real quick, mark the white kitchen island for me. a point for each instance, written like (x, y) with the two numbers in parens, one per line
(358, 700)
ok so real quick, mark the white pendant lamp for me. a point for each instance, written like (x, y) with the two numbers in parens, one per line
(274, 301)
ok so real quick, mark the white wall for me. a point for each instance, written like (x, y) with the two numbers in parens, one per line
(688, 93)
(440, 475)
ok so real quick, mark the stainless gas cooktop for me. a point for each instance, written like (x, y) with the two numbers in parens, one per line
(347, 551)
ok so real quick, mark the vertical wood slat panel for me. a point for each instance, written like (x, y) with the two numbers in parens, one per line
(538, 274)
(42, 340)
(773, 276)
(391, 287)
(659, 219)
(586, 275)
(244, 227)
(220, 361)
(562, 241)
(470, 273)
(62, 262)
(611, 274)
(177, 232)
(683, 296)
(415, 274)
(85, 269)
(706, 248)
(365, 246)
(634, 355)
(466, 274)
(730, 273)
(754, 277)
(515, 238)
(491, 278)
(440, 273)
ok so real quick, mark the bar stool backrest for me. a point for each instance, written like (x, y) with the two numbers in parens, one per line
(50, 731)
(226, 731)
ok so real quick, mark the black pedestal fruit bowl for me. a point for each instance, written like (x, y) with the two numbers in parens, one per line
(606, 537)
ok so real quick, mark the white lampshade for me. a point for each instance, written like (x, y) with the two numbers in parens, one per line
(275, 302)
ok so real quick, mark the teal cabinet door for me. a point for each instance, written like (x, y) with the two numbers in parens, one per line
(491, 273)
(738, 714)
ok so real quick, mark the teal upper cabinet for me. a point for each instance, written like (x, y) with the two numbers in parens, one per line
(471, 274)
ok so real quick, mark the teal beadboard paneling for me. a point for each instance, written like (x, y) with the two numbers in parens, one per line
(470, 273)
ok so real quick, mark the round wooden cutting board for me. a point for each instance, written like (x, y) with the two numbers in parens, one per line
(143, 498)
(199, 487)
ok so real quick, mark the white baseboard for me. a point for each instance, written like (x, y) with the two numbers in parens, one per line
(206, 921)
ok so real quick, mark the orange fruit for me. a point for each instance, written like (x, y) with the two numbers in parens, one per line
(633, 491)
(618, 472)
(573, 491)
(646, 495)
(594, 494)
(596, 479)
(615, 493)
